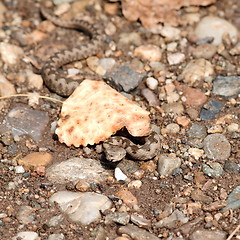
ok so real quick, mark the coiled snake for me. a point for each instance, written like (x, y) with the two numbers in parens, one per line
(65, 86)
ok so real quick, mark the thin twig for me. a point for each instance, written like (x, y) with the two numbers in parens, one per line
(233, 233)
(29, 95)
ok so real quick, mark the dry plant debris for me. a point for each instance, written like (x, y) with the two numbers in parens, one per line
(95, 111)
(151, 12)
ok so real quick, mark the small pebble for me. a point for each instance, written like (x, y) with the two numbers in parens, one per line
(233, 127)
(136, 233)
(119, 175)
(217, 147)
(208, 234)
(212, 169)
(150, 96)
(19, 169)
(175, 58)
(206, 51)
(151, 83)
(148, 52)
(166, 164)
(36, 159)
(172, 128)
(56, 236)
(128, 198)
(136, 184)
(197, 70)
(210, 109)
(196, 152)
(198, 195)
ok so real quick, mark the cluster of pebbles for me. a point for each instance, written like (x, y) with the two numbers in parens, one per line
(187, 77)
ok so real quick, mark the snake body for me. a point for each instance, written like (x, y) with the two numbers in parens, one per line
(146, 151)
(64, 86)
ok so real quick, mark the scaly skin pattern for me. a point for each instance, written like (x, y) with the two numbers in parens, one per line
(147, 151)
(62, 85)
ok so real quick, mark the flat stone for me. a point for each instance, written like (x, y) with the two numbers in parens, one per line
(198, 195)
(82, 208)
(117, 217)
(36, 159)
(208, 234)
(26, 215)
(176, 219)
(210, 109)
(125, 77)
(226, 86)
(27, 236)
(233, 200)
(76, 169)
(22, 120)
(217, 147)
(136, 233)
(194, 97)
(211, 26)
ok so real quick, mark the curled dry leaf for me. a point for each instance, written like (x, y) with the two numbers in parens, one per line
(95, 111)
(151, 12)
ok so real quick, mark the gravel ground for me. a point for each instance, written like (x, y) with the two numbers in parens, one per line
(186, 76)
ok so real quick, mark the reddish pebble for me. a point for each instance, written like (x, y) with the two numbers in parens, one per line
(128, 198)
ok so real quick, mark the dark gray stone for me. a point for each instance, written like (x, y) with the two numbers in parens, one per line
(210, 109)
(124, 78)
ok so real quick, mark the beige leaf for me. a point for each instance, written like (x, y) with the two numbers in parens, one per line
(95, 111)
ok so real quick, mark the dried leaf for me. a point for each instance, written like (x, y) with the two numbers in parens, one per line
(95, 111)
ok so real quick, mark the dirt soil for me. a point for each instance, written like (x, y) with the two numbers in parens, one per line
(22, 18)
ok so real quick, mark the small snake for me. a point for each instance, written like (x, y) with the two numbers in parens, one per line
(62, 85)
(65, 86)
(117, 147)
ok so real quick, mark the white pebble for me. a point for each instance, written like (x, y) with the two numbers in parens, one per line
(119, 175)
(152, 83)
(175, 58)
(19, 169)
(171, 33)
(211, 26)
(233, 127)
(196, 152)
(135, 184)
(26, 236)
